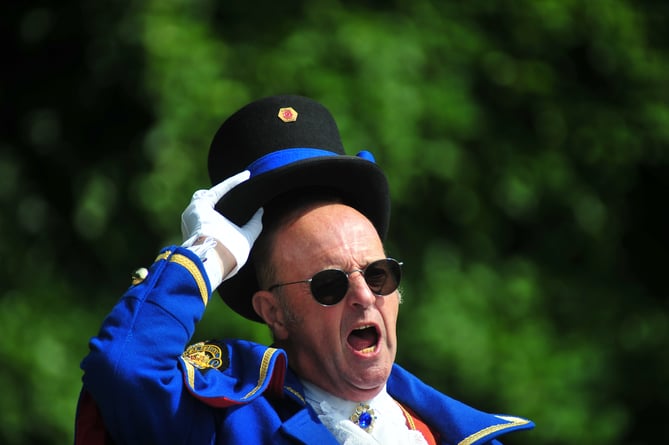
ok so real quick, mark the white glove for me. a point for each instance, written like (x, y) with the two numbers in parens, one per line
(200, 219)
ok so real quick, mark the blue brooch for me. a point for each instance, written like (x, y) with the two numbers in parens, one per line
(364, 417)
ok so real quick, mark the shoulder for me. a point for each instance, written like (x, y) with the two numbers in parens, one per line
(232, 372)
(453, 420)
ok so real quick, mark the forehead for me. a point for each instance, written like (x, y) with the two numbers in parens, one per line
(327, 229)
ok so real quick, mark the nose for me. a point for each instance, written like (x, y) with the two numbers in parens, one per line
(359, 294)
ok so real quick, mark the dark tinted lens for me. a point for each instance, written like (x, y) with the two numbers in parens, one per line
(329, 286)
(383, 276)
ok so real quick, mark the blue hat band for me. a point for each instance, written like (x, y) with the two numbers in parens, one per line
(280, 158)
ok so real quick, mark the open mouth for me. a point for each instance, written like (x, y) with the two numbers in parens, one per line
(364, 339)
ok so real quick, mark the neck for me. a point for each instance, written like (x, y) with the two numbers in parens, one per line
(315, 393)
(349, 393)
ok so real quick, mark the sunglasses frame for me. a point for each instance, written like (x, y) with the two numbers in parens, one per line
(347, 275)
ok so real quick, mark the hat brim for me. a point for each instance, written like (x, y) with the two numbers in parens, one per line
(362, 184)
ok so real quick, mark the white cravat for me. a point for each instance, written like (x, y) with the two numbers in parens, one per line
(389, 427)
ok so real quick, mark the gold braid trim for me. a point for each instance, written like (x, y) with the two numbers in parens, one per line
(295, 393)
(407, 415)
(514, 422)
(163, 256)
(264, 366)
(195, 272)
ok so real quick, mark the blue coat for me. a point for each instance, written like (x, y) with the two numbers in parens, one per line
(141, 387)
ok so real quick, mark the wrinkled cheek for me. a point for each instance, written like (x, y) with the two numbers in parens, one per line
(392, 350)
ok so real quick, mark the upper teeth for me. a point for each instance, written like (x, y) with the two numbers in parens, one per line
(363, 327)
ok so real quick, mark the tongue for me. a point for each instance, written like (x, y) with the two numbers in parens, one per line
(362, 339)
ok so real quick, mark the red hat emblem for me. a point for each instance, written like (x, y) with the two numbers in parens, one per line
(287, 114)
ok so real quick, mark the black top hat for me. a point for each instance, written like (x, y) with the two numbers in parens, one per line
(288, 143)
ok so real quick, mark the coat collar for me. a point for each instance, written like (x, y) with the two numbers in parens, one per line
(452, 421)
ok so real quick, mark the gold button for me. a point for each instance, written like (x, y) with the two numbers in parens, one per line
(139, 275)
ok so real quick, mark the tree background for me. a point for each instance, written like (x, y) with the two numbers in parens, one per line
(526, 144)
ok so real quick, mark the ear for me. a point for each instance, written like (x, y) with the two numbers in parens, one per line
(266, 305)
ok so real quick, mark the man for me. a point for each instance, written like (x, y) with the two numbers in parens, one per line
(295, 241)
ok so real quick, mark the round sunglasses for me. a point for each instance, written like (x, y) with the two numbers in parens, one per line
(329, 286)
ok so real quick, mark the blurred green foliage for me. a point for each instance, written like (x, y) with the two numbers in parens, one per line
(526, 143)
